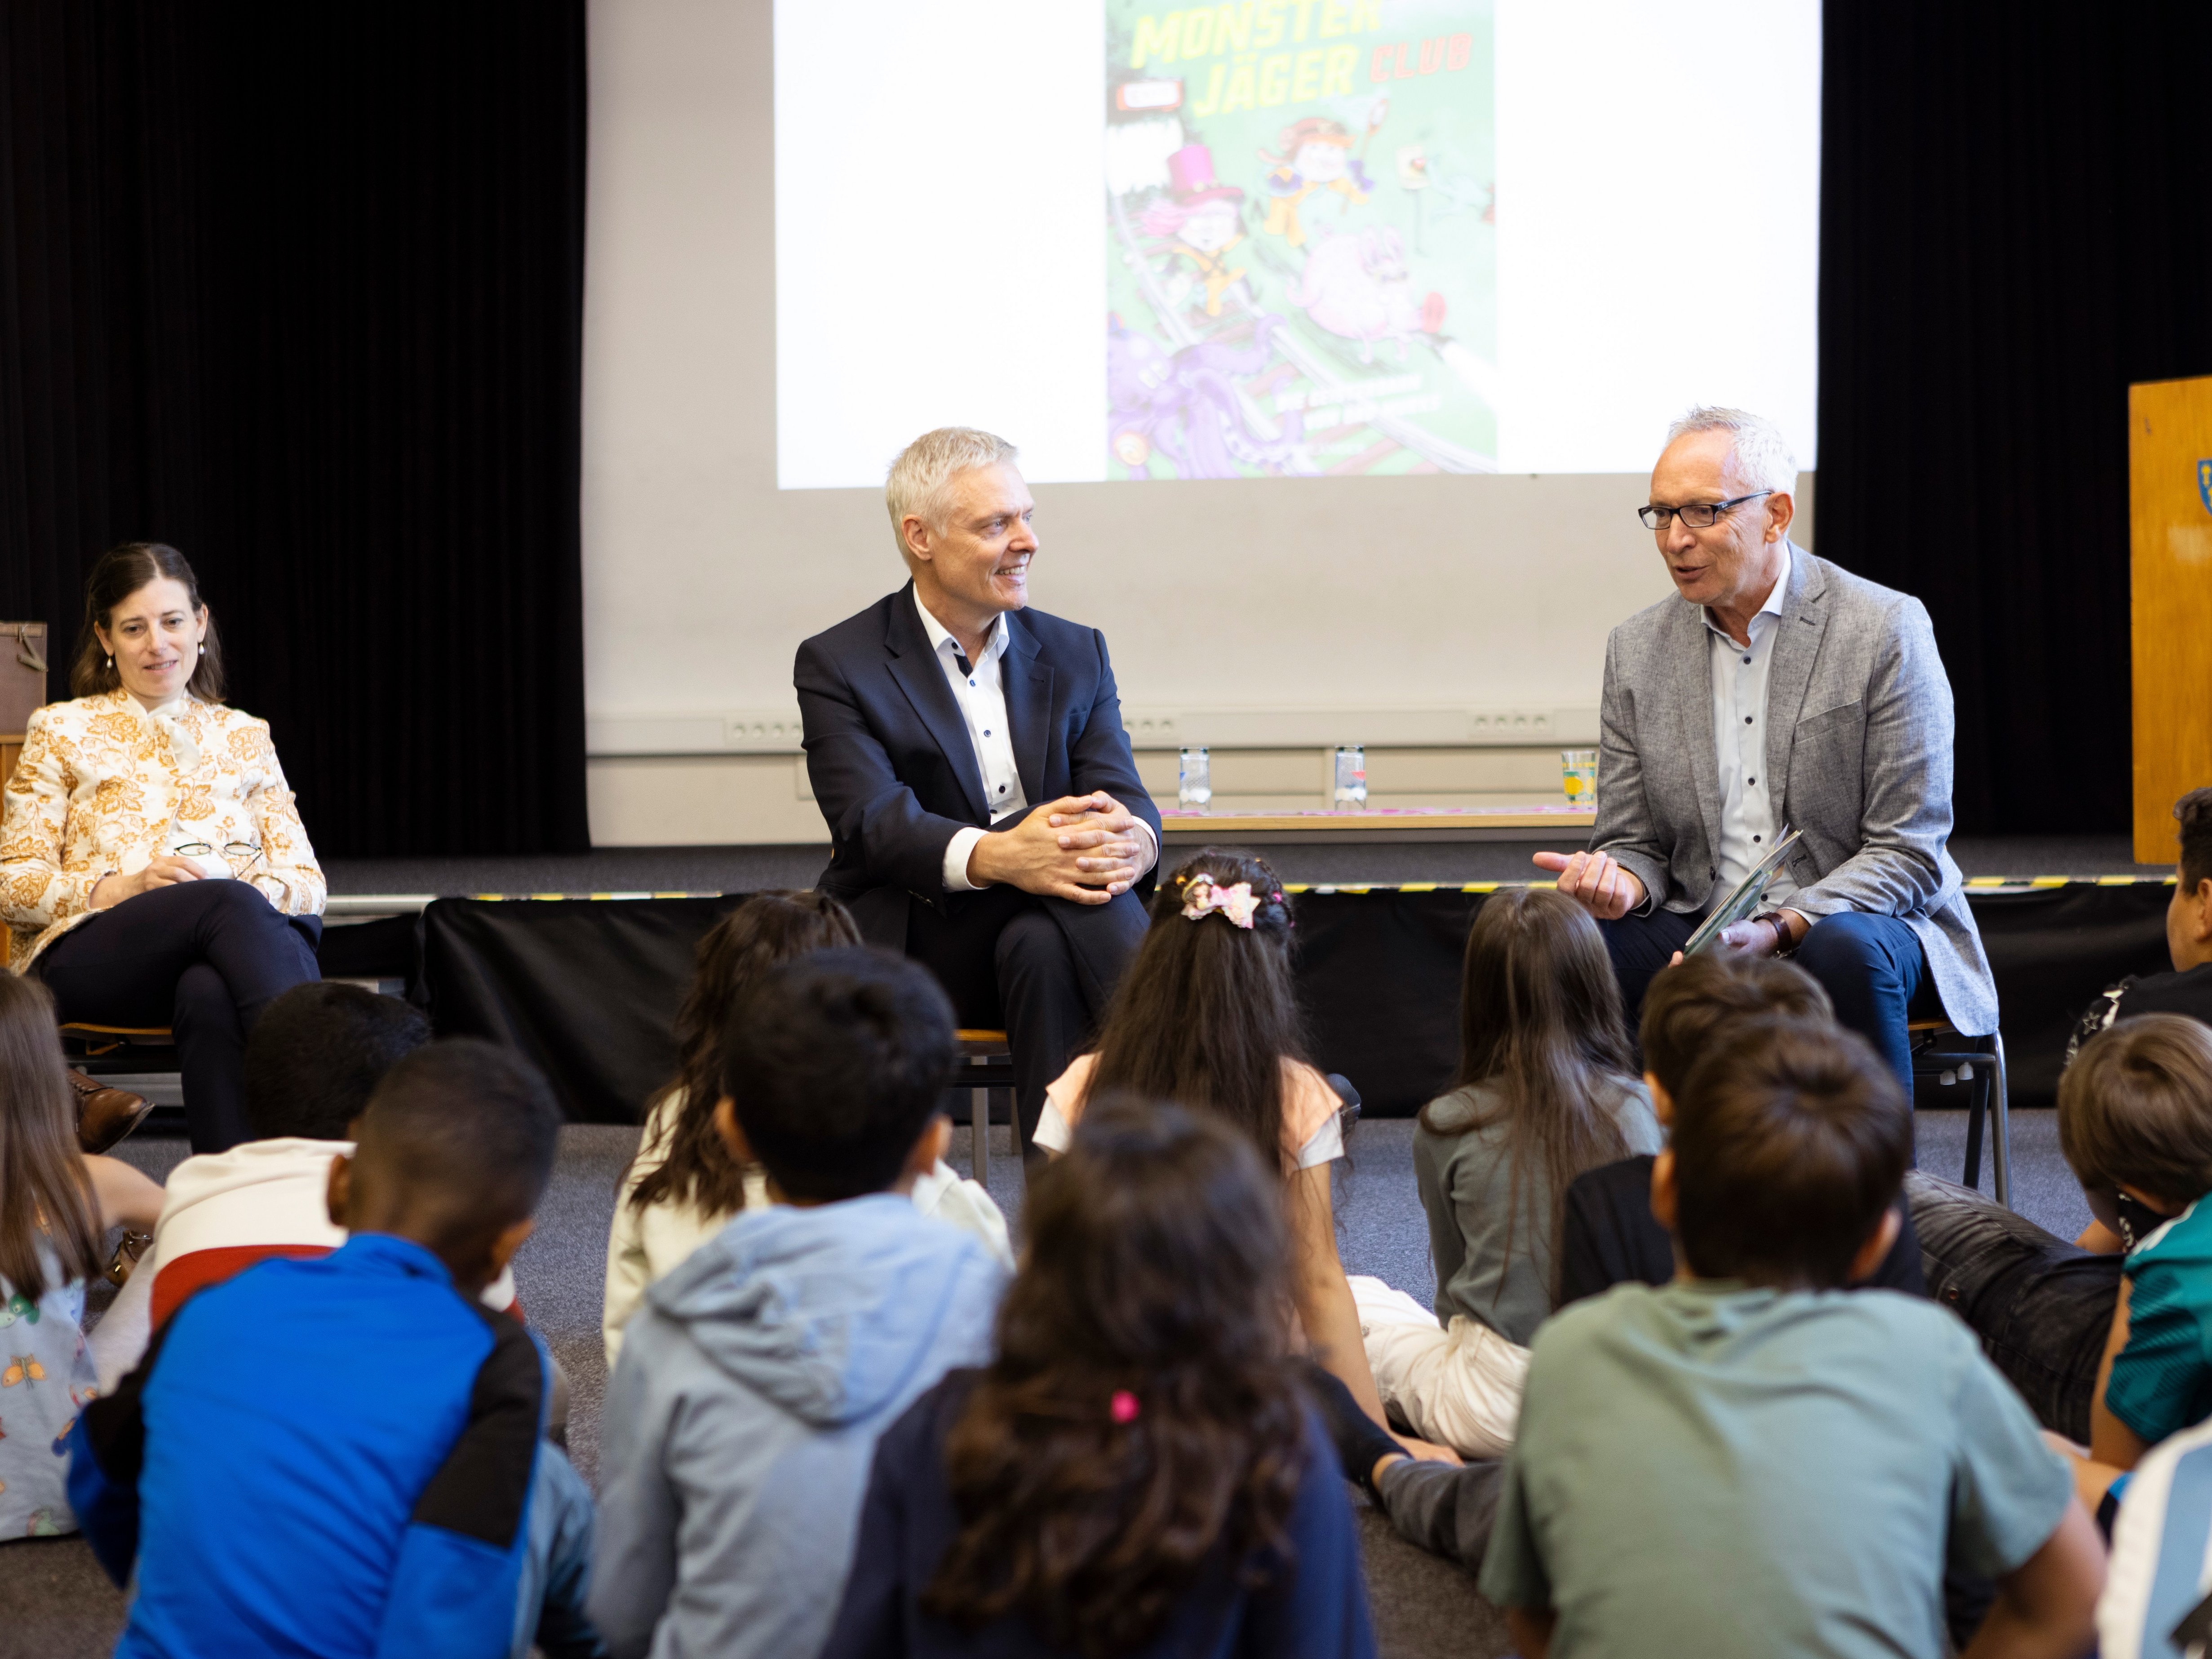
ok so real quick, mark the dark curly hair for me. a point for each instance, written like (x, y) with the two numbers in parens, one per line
(1208, 1011)
(1155, 1266)
(768, 927)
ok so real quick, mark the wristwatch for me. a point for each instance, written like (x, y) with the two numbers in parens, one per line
(1785, 942)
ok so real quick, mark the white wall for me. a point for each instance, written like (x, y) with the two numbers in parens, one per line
(1412, 610)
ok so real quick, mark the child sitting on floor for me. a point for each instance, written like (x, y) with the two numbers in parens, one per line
(684, 1186)
(55, 1203)
(1608, 1234)
(756, 1375)
(1207, 1016)
(2188, 989)
(315, 1056)
(1138, 1471)
(2112, 1343)
(1745, 1461)
(343, 1454)
(1545, 1090)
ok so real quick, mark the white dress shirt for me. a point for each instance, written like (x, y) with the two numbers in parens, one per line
(1748, 824)
(980, 691)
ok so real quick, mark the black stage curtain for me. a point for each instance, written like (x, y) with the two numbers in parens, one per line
(300, 290)
(2012, 228)
(588, 988)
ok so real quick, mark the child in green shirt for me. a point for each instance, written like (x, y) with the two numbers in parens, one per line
(1750, 1461)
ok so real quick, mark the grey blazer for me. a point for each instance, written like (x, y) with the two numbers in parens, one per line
(1858, 732)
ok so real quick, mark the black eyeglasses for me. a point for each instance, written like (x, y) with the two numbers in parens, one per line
(1698, 515)
(238, 854)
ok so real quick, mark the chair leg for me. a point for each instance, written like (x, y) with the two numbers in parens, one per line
(2001, 1125)
(979, 1118)
(1975, 1095)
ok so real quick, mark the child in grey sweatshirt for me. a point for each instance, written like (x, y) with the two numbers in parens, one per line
(756, 1380)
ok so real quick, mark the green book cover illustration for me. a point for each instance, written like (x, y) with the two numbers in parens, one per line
(1302, 238)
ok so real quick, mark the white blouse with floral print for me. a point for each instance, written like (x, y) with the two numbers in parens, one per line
(103, 786)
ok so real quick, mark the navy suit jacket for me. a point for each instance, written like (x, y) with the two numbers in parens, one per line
(896, 776)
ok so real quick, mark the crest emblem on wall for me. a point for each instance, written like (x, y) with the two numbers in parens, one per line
(2205, 483)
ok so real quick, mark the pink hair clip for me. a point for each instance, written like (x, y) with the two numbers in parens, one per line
(1202, 898)
(1124, 1407)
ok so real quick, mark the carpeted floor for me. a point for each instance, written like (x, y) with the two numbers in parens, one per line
(56, 1604)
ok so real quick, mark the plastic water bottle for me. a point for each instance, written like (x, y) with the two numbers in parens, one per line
(1351, 778)
(1194, 781)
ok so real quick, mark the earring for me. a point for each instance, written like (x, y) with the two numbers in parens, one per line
(110, 664)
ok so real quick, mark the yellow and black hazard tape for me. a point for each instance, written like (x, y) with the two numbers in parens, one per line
(1974, 883)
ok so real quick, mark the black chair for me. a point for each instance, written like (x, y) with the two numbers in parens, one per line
(97, 1050)
(1940, 1051)
(987, 1064)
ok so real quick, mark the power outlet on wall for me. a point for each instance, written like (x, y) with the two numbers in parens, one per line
(761, 732)
(1516, 724)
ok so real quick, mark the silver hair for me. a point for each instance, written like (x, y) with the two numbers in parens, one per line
(1761, 454)
(925, 467)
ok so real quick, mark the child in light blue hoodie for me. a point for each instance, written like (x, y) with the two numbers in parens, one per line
(755, 1382)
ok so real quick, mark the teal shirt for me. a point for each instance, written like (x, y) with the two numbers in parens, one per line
(2161, 1380)
(1466, 1184)
(1706, 1469)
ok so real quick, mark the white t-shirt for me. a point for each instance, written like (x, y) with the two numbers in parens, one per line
(1313, 1131)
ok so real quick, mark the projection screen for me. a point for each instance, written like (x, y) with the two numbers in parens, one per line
(1289, 238)
(1386, 302)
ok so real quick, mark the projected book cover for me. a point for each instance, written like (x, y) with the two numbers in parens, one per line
(1302, 243)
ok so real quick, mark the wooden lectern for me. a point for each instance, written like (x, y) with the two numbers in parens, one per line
(2170, 501)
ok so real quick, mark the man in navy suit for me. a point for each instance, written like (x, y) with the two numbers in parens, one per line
(985, 813)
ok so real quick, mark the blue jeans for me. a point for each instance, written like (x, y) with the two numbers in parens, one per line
(557, 1569)
(1872, 968)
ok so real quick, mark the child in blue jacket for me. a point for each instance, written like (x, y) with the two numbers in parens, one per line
(344, 1455)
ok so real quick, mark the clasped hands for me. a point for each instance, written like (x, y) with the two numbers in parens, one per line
(1083, 848)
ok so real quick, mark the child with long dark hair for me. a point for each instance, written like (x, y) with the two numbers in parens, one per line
(55, 1204)
(683, 1186)
(1138, 1471)
(1546, 1090)
(1207, 1016)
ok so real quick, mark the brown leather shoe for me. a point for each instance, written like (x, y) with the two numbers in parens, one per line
(104, 1114)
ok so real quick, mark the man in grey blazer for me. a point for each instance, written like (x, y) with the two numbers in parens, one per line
(1778, 691)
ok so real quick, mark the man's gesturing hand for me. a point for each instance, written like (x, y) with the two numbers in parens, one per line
(1078, 848)
(1596, 881)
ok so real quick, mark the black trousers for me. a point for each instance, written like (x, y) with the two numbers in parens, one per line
(2042, 1307)
(1014, 961)
(1872, 968)
(203, 957)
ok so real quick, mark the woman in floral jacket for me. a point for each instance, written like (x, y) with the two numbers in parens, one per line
(153, 867)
